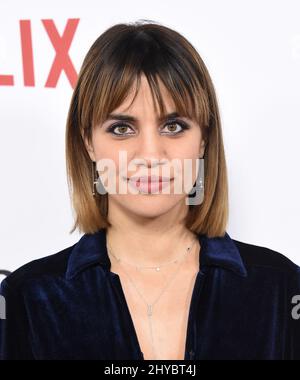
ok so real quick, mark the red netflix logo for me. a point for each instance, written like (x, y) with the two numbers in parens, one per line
(62, 60)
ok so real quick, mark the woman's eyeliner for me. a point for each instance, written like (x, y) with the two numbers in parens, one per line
(184, 126)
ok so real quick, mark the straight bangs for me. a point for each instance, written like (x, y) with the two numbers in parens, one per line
(125, 60)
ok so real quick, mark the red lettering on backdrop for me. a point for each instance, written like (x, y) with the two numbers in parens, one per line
(6, 80)
(62, 61)
(27, 53)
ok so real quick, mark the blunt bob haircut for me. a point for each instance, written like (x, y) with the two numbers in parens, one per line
(113, 64)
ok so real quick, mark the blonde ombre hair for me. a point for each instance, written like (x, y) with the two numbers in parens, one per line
(111, 67)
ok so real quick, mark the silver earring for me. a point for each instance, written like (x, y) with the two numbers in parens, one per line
(96, 182)
(198, 186)
(94, 179)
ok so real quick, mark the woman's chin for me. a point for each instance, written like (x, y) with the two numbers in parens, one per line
(149, 205)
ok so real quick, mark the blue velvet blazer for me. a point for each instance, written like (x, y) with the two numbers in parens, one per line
(69, 305)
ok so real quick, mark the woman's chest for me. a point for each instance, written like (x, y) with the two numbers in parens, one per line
(160, 318)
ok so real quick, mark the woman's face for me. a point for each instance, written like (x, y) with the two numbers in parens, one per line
(150, 145)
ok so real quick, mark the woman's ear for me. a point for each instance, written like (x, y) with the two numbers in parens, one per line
(202, 148)
(89, 148)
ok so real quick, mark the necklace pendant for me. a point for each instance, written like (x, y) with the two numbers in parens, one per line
(149, 311)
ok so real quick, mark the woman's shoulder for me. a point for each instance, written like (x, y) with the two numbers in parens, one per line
(53, 265)
(257, 256)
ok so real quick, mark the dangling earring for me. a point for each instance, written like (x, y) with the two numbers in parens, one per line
(96, 181)
(198, 186)
(200, 177)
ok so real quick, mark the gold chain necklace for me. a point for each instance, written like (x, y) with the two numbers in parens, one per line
(150, 305)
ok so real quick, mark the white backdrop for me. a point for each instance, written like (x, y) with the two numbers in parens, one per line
(252, 50)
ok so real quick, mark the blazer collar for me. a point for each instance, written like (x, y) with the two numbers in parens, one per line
(91, 250)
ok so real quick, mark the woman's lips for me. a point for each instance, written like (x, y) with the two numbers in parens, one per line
(150, 179)
(151, 184)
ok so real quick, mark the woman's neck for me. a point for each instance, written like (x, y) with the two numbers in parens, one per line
(148, 241)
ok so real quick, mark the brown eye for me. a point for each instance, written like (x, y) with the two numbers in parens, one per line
(176, 127)
(122, 128)
(172, 127)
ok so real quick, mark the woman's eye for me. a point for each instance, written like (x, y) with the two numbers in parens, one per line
(173, 127)
(122, 128)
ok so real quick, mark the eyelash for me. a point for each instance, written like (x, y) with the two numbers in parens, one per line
(183, 125)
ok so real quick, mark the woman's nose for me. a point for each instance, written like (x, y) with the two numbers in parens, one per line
(150, 145)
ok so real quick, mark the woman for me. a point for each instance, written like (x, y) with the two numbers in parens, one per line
(155, 274)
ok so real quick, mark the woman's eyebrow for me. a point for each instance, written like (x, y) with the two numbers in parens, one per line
(129, 118)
